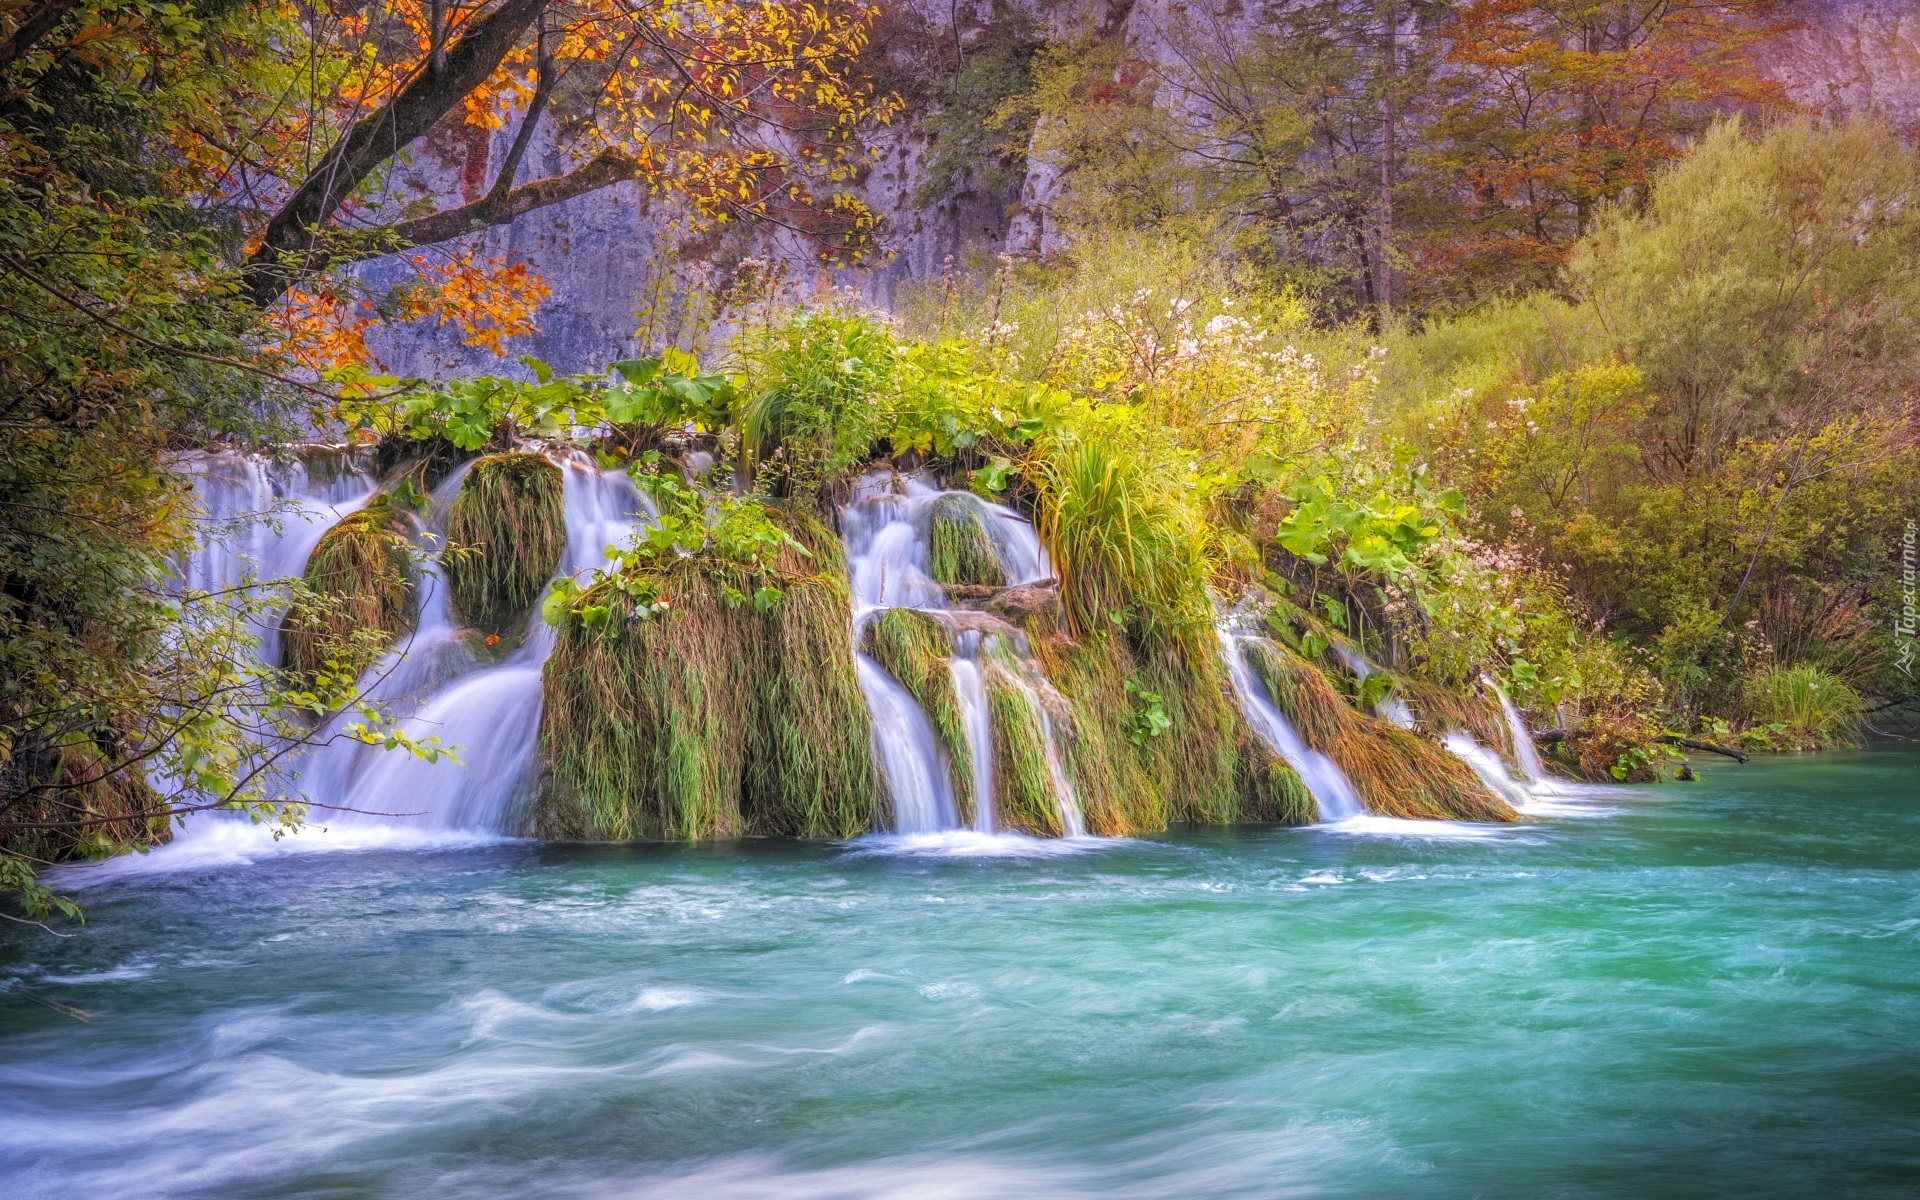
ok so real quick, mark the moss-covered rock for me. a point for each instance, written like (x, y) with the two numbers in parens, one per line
(917, 650)
(715, 718)
(359, 582)
(959, 548)
(507, 530)
(1397, 772)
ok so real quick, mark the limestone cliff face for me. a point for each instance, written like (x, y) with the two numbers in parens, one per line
(620, 265)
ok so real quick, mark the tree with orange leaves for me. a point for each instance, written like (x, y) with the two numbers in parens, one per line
(1541, 111)
(743, 110)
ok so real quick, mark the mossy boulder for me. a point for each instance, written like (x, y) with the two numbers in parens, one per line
(359, 595)
(717, 718)
(506, 532)
(959, 549)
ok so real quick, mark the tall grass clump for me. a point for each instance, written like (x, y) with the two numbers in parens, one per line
(917, 651)
(1124, 551)
(358, 594)
(1397, 772)
(960, 550)
(508, 529)
(716, 716)
(1803, 707)
(1442, 710)
(1023, 788)
(1171, 747)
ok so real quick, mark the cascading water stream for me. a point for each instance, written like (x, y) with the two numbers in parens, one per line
(491, 711)
(909, 754)
(1523, 748)
(435, 681)
(886, 529)
(1332, 791)
(971, 691)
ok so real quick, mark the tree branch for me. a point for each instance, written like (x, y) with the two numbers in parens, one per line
(37, 25)
(603, 170)
(286, 247)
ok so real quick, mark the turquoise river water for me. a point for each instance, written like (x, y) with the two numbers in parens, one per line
(1691, 990)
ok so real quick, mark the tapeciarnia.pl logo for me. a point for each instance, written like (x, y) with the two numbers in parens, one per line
(1907, 624)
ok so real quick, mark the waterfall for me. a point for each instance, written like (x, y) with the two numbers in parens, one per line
(490, 710)
(1325, 781)
(886, 529)
(433, 682)
(259, 522)
(909, 754)
(1523, 749)
(972, 693)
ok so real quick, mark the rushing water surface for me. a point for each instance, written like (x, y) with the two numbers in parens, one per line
(1704, 989)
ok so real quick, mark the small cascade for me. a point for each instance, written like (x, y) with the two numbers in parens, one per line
(1524, 752)
(491, 710)
(261, 520)
(909, 754)
(1332, 791)
(972, 692)
(1392, 708)
(1487, 765)
(887, 530)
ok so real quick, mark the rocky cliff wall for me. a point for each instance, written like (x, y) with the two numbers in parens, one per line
(622, 267)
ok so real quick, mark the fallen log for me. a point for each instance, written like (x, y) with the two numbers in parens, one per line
(1709, 747)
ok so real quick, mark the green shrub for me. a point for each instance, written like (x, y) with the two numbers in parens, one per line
(812, 410)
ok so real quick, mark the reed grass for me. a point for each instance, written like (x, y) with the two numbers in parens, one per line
(959, 548)
(716, 719)
(1804, 707)
(917, 651)
(1023, 790)
(1123, 550)
(359, 595)
(1397, 772)
(508, 529)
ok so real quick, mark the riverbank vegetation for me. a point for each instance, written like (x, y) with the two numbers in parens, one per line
(1628, 437)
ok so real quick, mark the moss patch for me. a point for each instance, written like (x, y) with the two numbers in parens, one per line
(361, 584)
(715, 719)
(917, 651)
(1396, 771)
(508, 528)
(959, 549)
